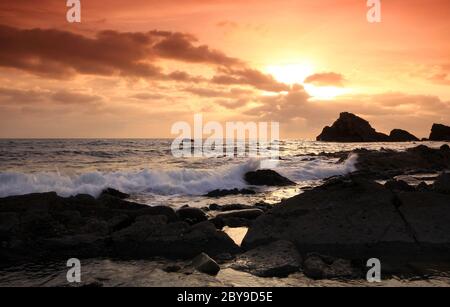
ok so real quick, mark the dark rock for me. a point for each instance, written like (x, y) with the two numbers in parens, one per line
(222, 193)
(248, 214)
(440, 133)
(204, 264)
(399, 135)
(232, 207)
(398, 185)
(215, 207)
(115, 193)
(145, 240)
(324, 267)
(442, 183)
(423, 187)
(172, 268)
(191, 215)
(427, 215)
(232, 222)
(400, 162)
(278, 259)
(445, 147)
(267, 177)
(348, 218)
(351, 128)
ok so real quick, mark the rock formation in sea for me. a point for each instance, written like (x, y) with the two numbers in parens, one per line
(440, 133)
(351, 128)
(399, 135)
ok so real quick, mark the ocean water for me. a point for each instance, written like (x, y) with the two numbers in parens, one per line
(146, 169)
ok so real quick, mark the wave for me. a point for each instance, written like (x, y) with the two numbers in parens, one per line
(320, 169)
(160, 182)
(163, 182)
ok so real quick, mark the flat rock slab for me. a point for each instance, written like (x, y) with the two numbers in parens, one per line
(278, 259)
(348, 217)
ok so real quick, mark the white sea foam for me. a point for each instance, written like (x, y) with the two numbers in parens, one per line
(320, 169)
(161, 182)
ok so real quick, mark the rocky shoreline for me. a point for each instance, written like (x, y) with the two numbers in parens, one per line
(326, 232)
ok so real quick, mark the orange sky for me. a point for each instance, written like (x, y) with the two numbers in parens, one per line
(132, 68)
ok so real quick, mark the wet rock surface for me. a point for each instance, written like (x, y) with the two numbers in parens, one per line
(268, 178)
(48, 226)
(353, 218)
(278, 259)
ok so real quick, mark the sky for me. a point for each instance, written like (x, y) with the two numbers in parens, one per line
(133, 68)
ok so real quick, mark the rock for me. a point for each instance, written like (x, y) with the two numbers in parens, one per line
(346, 217)
(248, 214)
(423, 187)
(427, 215)
(442, 183)
(268, 178)
(232, 207)
(399, 135)
(215, 207)
(172, 268)
(222, 193)
(400, 162)
(191, 215)
(204, 264)
(398, 185)
(440, 133)
(144, 240)
(323, 267)
(351, 128)
(278, 259)
(115, 193)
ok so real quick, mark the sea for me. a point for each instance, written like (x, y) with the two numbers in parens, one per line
(148, 171)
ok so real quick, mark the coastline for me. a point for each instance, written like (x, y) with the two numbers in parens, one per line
(50, 226)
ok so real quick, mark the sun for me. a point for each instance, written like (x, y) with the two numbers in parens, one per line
(291, 73)
(296, 73)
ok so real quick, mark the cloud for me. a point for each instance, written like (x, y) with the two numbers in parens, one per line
(17, 97)
(67, 97)
(325, 79)
(248, 76)
(180, 46)
(58, 53)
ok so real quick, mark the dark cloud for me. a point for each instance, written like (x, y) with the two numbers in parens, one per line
(248, 76)
(326, 79)
(59, 53)
(180, 46)
(67, 97)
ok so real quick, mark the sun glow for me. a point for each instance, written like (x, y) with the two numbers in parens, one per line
(297, 73)
(324, 92)
(291, 73)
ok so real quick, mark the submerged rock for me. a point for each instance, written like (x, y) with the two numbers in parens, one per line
(222, 193)
(440, 133)
(268, 178)
(278, 259)
(115, 193)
